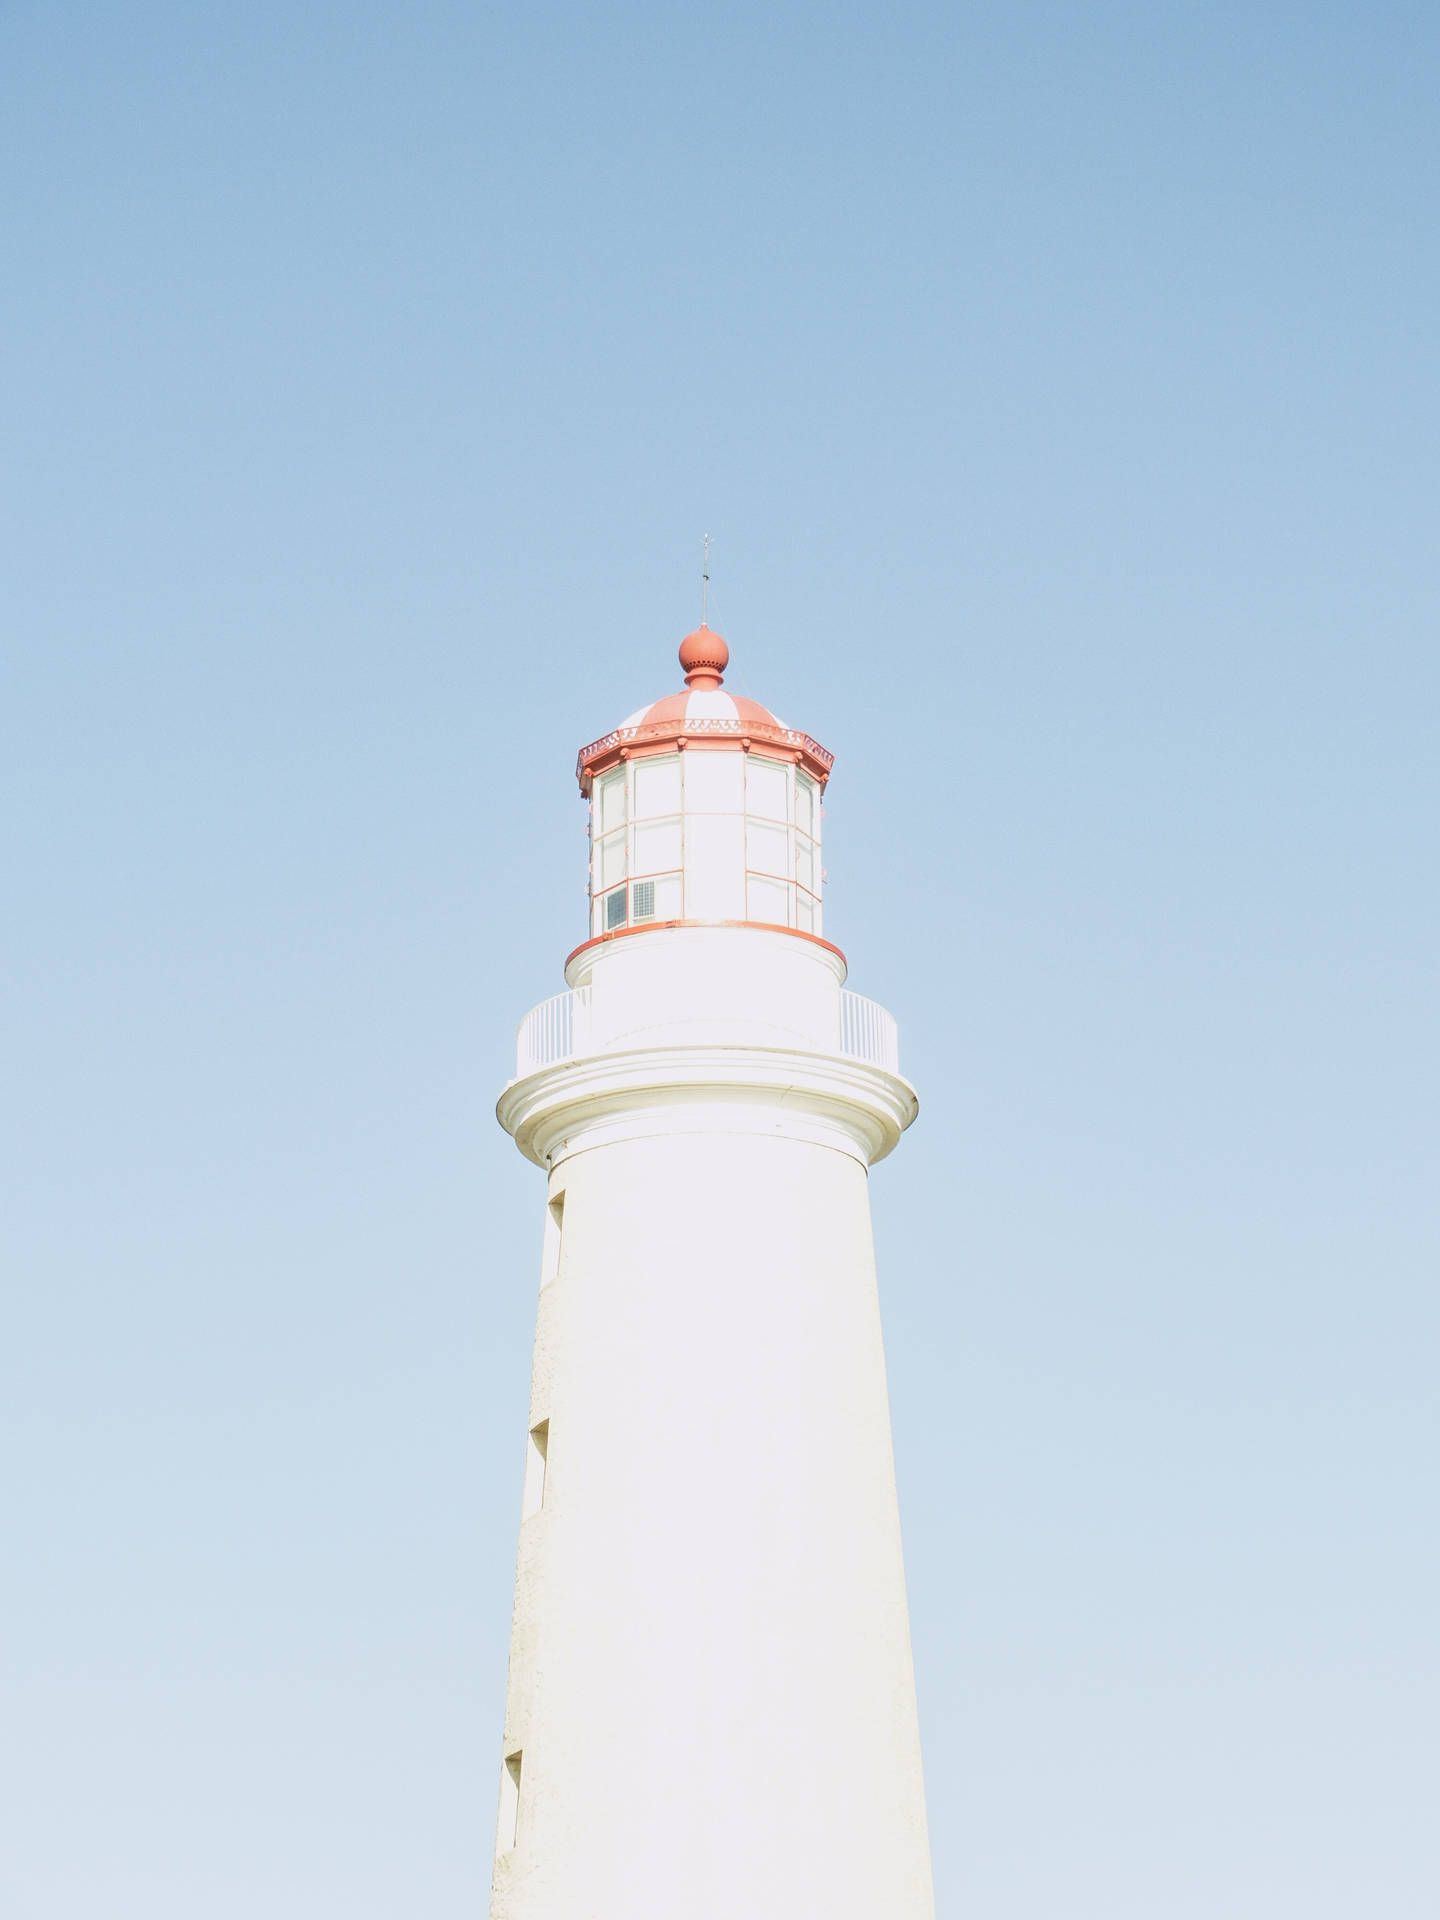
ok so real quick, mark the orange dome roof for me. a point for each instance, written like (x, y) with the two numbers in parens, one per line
(702, 716)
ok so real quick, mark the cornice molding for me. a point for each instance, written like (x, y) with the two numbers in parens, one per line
(827, 1099)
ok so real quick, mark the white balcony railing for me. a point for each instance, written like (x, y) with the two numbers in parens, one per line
(558, 1029)
(868, 1031)
(553, 1031)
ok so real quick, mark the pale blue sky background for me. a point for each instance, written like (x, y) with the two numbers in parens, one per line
(1059, 383)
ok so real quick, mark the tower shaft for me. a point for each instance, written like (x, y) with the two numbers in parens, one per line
(711, 1707)
(711, 1687)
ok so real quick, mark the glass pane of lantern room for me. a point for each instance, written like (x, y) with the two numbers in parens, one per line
(612, 859)
(657, 786)
(767, 849)
(807, 812)
(768, 901)
(714, 781)
(657, 846)
(767, 788)
(612, 800)
(715, 863)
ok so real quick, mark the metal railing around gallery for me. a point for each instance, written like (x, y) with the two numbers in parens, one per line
(557, 1030)
(868, 1031)
(551, 1032)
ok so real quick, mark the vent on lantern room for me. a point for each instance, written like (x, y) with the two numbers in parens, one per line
(642, 906)
(615, 910)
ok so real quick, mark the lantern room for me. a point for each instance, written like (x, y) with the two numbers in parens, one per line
(704, 807)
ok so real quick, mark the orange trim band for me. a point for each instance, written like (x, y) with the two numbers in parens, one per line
(656, 926)
(669, 736)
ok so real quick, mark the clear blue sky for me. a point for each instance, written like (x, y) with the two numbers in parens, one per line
(1059, 383)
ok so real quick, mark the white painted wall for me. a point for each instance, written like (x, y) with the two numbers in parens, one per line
(711, 1708)
(711, 986)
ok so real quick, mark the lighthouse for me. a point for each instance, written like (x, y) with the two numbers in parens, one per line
(710, 1711)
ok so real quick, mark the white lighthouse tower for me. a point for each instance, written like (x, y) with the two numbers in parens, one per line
(711, 1711)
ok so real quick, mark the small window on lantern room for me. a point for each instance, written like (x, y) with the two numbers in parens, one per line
(609, 864)
(807, 808)
(611, 861)
(657, 846)
(767, 901)
(767, 788)
(713, 782)
(767, 849)
(807, 854)
(657, 840)
(657, 786)
(610, 801)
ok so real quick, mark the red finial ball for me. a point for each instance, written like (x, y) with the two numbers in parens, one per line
(704, 656)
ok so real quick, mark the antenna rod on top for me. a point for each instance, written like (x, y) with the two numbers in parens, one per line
(705, 581)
